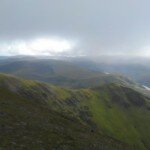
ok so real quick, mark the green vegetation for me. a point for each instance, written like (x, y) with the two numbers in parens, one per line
(35, 115)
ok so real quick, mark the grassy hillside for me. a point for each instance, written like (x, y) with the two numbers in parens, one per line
(111, 116)
(59, 72)
(28, 122)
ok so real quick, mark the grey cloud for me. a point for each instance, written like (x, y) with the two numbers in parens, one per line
(101, 26)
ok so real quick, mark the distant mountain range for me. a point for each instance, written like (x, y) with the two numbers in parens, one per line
(138, 69)
(59, 72)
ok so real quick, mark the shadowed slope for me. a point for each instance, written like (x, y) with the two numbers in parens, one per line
(84, 119)
(28, 122)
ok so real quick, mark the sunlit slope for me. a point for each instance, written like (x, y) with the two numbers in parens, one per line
(83, 119)
(60, 73)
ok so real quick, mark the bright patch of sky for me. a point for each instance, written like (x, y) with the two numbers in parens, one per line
(38, 46)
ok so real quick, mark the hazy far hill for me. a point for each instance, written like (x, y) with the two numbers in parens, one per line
(59, 72)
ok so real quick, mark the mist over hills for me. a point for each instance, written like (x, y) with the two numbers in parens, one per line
(136, 68)
(79, 71)
(62, 72)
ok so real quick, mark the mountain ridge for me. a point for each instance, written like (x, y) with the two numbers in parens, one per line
(96, 108)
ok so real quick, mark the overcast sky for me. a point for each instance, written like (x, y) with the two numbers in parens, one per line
(81, 27)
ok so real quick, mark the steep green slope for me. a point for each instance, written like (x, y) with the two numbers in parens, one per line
(60, 73)
(124, 113)
(27, 121)
(84, 116)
